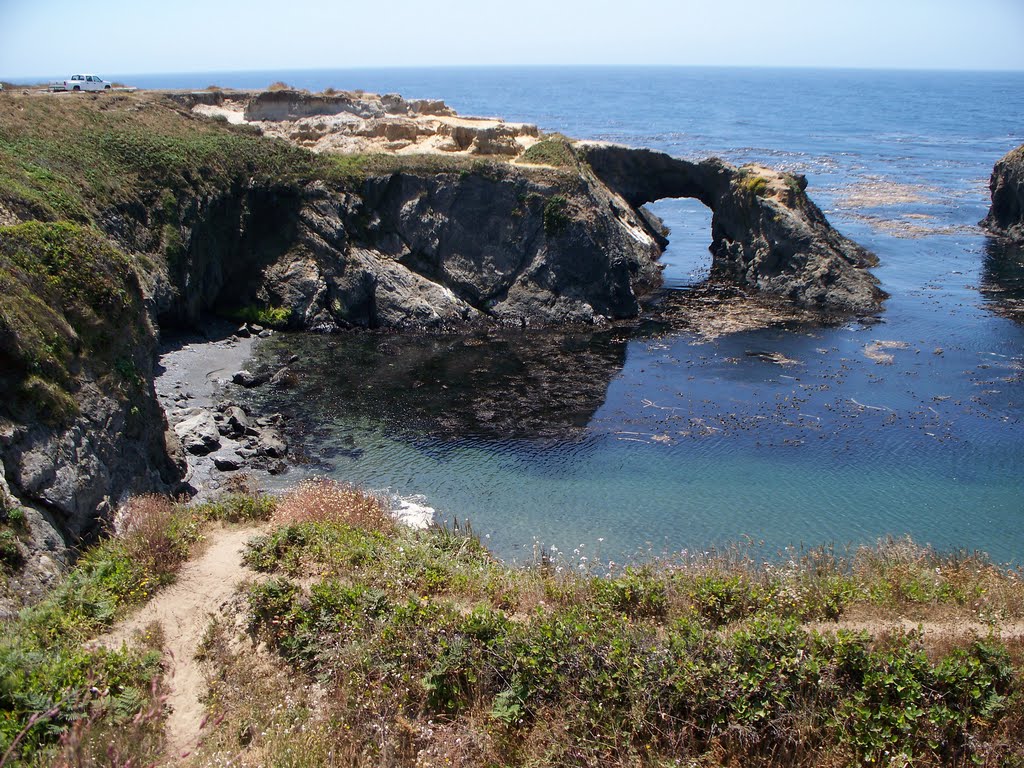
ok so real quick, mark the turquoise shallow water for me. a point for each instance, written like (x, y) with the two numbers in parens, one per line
(656, 440)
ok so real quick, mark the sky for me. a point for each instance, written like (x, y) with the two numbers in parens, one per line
(58, 37)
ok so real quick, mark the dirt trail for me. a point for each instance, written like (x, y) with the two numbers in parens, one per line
(183, 610)
(951, 629)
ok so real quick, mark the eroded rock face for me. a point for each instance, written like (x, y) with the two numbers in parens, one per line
(1006, 216)
(70, 478)
(427, 251)
(765, 231)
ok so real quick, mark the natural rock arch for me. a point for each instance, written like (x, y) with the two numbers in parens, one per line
(765, 231)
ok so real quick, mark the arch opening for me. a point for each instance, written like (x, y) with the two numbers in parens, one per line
(687, 257)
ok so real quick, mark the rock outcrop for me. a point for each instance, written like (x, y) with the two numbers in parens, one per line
(765, 231)
(288, 104)
(80, 425)
(417, 250)
(350, 123)
(1006, 216)
(441, 248)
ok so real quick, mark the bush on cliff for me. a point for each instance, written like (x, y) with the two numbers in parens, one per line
(554, 150)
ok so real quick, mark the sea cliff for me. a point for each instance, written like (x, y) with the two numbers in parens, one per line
(319, 212)
(1006, 216)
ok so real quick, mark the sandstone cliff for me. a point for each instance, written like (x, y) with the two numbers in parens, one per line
(1006, 216)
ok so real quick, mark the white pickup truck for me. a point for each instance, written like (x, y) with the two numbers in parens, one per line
(81, 83)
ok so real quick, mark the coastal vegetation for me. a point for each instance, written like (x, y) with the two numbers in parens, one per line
(85, 182)
(68, 299)
(554, 150)
(357, 641)
(363, 642)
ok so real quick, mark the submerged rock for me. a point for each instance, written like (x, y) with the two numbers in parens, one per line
(248, 379)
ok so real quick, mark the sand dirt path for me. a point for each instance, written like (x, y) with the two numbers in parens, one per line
(949, 629)
(183, 611)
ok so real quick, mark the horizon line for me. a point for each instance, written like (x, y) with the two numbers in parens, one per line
(35, 78)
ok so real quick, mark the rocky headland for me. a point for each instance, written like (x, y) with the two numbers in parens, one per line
(123, 216)
(1006, 216)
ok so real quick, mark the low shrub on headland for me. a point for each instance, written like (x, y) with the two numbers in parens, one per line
(419, 648)
(365, 643)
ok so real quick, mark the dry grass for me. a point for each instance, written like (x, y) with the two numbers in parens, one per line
(321, 500)
(156, 531)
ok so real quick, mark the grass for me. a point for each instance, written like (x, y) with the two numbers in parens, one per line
(366, 643)
(556, 216)
(271, 317)
(50, 681)
(78, 158)
(554, 150)
(419, 648)
(753, 185)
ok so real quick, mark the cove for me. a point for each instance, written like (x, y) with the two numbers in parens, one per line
(638, 441)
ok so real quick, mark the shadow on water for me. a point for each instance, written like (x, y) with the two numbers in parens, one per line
(1002, 285)
(514, 385)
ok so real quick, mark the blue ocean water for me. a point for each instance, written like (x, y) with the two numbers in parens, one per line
(790, 435)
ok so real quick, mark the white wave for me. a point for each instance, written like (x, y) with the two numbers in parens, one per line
(412, 511)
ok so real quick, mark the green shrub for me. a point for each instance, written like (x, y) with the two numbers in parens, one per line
(754, 185)
(556, 216)
(68, 300)
(11, 556)
(637, 593)
(50, 683)
(554, 150)
(722, 598)
(238, 508)
(273, 317)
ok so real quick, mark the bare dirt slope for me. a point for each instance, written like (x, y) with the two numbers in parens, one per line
(183, 612)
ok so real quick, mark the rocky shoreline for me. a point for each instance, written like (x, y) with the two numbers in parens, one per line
(197, 383)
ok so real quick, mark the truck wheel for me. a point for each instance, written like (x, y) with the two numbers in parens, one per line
(106, 87)
(77, 88)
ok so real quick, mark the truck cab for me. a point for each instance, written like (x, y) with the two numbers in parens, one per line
(81, 83)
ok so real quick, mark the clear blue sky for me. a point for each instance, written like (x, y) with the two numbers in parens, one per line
(55, 37)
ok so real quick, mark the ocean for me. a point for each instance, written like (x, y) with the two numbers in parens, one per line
(619, 443)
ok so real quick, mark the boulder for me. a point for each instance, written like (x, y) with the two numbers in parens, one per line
(237, 419)
(271, 443)
(227, 463)
(198, 433)
(285, 377)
